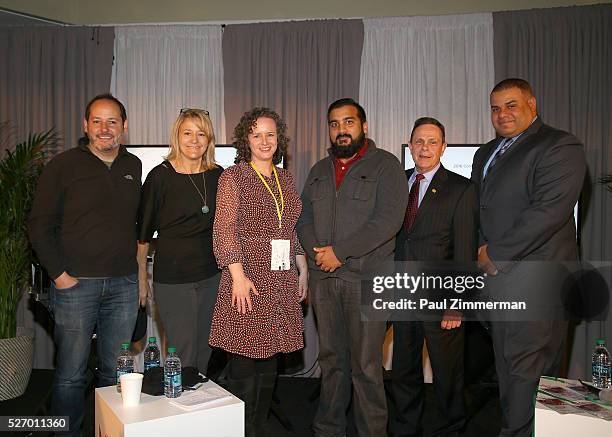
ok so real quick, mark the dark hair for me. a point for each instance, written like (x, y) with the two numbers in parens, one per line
(347, 101)
(428, 120)
(514, 82)
(245, 127)
(84, 140)
(106, 96)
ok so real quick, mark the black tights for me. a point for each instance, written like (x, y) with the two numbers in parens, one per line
(244, 367)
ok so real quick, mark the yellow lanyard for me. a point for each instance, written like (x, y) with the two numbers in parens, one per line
(279, 209)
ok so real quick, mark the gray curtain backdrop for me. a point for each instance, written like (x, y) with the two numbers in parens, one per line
(297, 69)
(566, 55)
(49, 74)
(47, 77)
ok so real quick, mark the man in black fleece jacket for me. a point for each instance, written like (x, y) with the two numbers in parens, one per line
(83, 229)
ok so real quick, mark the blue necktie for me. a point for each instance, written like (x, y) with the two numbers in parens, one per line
(507, 143)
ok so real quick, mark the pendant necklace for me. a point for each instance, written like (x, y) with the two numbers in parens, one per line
(205, 208)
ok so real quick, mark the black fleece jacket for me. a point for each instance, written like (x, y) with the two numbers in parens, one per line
(83, 220)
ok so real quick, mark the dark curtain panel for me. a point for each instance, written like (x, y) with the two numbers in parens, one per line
(297, 69)
(49, 73)
(566, 54)
(47, 76)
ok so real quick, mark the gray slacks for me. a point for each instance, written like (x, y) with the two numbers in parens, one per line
(524, 351)
(186, 314)
(350, 352)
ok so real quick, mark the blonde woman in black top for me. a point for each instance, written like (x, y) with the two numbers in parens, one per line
(178, 202)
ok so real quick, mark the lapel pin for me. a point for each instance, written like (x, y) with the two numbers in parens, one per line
(433, 190)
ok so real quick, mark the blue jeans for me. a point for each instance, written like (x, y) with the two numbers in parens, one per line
(110, 306)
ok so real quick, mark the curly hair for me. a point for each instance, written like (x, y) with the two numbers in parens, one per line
(245, 127)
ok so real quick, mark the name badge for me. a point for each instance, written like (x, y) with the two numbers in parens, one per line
(280, 255)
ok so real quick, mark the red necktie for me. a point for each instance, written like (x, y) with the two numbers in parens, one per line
(413, 202)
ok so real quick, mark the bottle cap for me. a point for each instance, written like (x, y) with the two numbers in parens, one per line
(171, 350)
(152, 340)
(125, 346)
(601, 342)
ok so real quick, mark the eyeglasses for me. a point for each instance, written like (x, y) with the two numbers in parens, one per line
(203, 111)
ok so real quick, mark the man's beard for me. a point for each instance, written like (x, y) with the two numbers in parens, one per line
(350, 149)
(105, 148)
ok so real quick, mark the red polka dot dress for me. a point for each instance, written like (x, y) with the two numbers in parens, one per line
(246, 221)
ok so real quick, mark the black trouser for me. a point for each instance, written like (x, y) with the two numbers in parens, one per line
(253, 380)
(524, 351)
(445, 348)
(240, 367)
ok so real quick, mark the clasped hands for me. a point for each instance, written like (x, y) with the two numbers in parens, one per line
(326, 259)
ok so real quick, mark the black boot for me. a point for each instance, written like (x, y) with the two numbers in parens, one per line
(265, 391)
(246, 390)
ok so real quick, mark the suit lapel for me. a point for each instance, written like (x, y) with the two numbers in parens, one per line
(519, 144)
(484, 155)
(428, 202)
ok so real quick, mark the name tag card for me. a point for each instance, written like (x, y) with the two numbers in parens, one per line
(280, 255)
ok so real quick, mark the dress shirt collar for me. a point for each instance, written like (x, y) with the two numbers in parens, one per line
(427, 176)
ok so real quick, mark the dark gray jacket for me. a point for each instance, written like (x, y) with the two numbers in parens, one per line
(527, 200)
(359, 220)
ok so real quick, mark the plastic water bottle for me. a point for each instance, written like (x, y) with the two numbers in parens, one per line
(173, 378)
(601, 366)
(151, 354)
(125, 363)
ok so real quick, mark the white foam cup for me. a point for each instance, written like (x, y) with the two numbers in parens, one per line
(131, 386)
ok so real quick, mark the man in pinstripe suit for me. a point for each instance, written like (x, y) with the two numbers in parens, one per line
(440, 225)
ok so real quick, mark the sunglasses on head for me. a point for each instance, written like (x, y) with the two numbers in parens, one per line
(203, 111)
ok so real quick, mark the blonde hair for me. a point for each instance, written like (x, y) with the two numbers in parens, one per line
(202, 121)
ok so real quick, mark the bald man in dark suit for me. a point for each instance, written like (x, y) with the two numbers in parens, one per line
(529, 179)
(440, 227)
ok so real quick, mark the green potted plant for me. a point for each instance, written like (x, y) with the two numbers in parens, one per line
(19, 172)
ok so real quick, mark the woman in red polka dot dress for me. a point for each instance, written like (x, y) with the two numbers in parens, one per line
(265, 276)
